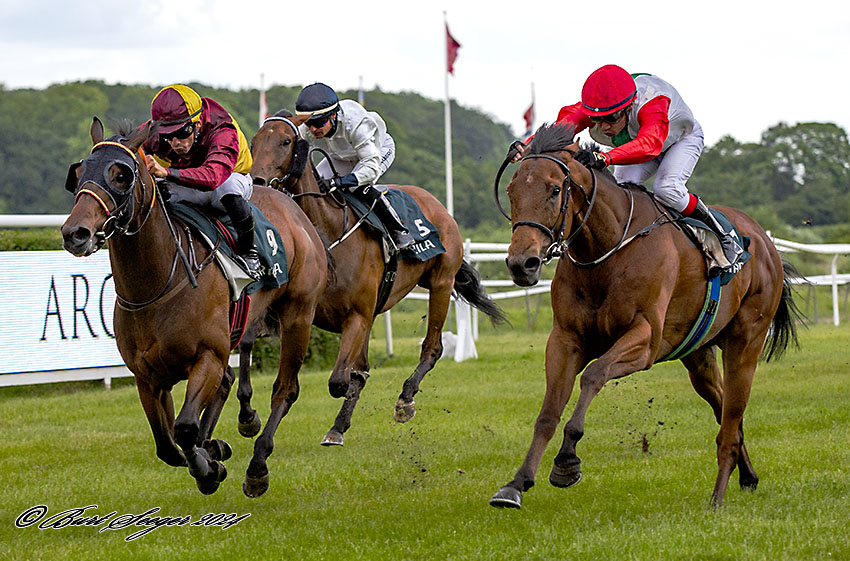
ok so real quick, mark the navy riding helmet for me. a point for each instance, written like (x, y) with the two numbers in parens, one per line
(316, 99)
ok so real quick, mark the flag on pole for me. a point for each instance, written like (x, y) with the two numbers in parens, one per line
(264, 108)
(451, 51)
(529, 119)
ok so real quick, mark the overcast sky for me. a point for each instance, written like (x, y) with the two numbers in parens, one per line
(742, 66)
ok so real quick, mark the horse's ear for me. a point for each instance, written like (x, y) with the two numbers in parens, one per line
(96, 131)
(139, 136)
(299, 119)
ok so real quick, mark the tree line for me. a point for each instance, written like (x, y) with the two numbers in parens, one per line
(797, 176)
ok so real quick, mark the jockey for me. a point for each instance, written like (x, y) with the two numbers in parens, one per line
(652, 131)
(358, 146)
(198, 148)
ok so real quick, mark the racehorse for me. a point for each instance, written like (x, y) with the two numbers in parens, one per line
(627, 289)
(348, 306)
(167, 331)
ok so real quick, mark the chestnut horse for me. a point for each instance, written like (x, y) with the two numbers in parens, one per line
(348, 306)
(623, 302)
(167, 331)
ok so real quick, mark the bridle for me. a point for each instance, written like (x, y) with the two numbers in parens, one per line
(124, 208)
(559, 246)
(282, 183)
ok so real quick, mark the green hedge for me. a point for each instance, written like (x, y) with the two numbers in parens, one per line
(30, 239)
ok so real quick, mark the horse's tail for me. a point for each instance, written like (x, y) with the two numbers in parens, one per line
(783, 328)
(468, 288)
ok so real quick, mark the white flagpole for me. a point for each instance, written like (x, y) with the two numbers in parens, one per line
(448, 123)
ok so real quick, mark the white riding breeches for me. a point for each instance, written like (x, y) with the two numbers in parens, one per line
(672, 169)
(237, 184)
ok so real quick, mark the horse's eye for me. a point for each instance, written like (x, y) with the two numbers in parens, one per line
(286, 142)
(556, 191)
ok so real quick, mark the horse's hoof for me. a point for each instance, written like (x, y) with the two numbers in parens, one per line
(564, 477)
(254, 487)
(749, 483)
(506, 497)
(251, 428)
(218, 449)
(209, 485)
(404, 411)
(333, 438)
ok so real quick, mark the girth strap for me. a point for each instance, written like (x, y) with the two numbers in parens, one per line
(703, 323)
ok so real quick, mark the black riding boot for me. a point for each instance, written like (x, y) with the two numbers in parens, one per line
(243, 221)
(732, 250)
(383, 209)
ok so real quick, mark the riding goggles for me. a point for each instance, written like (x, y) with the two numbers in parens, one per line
(612, 118)
(180, 134)
(318, 121)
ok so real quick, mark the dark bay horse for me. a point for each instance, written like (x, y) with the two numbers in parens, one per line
(348, 305)
(621, 304)
(166, 330)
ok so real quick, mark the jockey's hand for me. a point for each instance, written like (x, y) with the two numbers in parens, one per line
(155, 168)
(515, 151)
(591, 160)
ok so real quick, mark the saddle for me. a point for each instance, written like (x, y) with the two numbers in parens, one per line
(218, 234)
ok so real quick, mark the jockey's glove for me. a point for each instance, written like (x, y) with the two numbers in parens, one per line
(515, 148)
(346, 181)
(591, 160)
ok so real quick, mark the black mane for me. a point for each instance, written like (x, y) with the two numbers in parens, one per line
(551, 138)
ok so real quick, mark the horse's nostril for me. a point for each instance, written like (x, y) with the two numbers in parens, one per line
(532, 264)
(259, 181)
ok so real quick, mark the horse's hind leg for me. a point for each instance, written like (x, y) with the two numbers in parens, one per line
(249, 421)
(359, 375)
(217, 449)
(295, 337)
(159, 409)
(708, 383)
(432, 346)
(204, 381)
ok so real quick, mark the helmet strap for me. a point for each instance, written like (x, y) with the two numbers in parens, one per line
(334, 122)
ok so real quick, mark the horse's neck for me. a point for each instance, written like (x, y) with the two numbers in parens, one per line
(142, 262)
(320, 209)
(607, 220)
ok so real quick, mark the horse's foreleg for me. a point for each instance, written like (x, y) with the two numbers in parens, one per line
(249, 421)
(629, 354)
(159, 409)
(217, 449)
(203, 383)
(564, 360)
(359, 375)
(432, 347)
(353, 335)
(295, 337)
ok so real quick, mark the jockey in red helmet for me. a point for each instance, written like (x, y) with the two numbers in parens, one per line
(198, 148)
(652, 131)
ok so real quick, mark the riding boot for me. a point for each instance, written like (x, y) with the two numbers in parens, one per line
(386, 213)
(243, 221)
(732, 250)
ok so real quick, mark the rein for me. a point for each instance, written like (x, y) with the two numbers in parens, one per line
(561, 247)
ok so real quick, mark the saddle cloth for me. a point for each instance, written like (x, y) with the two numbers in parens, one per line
(427, 236)
(216, 228)
(710, 243)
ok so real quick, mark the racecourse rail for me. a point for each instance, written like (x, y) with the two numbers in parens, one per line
(461, 344)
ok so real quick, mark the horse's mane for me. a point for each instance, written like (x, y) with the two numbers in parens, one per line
(552, 138)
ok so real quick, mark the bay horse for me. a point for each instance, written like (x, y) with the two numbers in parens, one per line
(167, 331)
(627, 289)
(348, 306)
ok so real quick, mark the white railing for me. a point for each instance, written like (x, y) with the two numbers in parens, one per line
(467, 320)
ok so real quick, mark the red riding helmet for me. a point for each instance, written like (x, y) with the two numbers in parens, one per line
(174, 106)
(607, 90)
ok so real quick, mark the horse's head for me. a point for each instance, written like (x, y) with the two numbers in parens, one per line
(104, 185)
(279, 153)
(540, 193)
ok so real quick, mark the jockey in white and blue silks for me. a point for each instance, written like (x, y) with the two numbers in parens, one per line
(359, 147)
